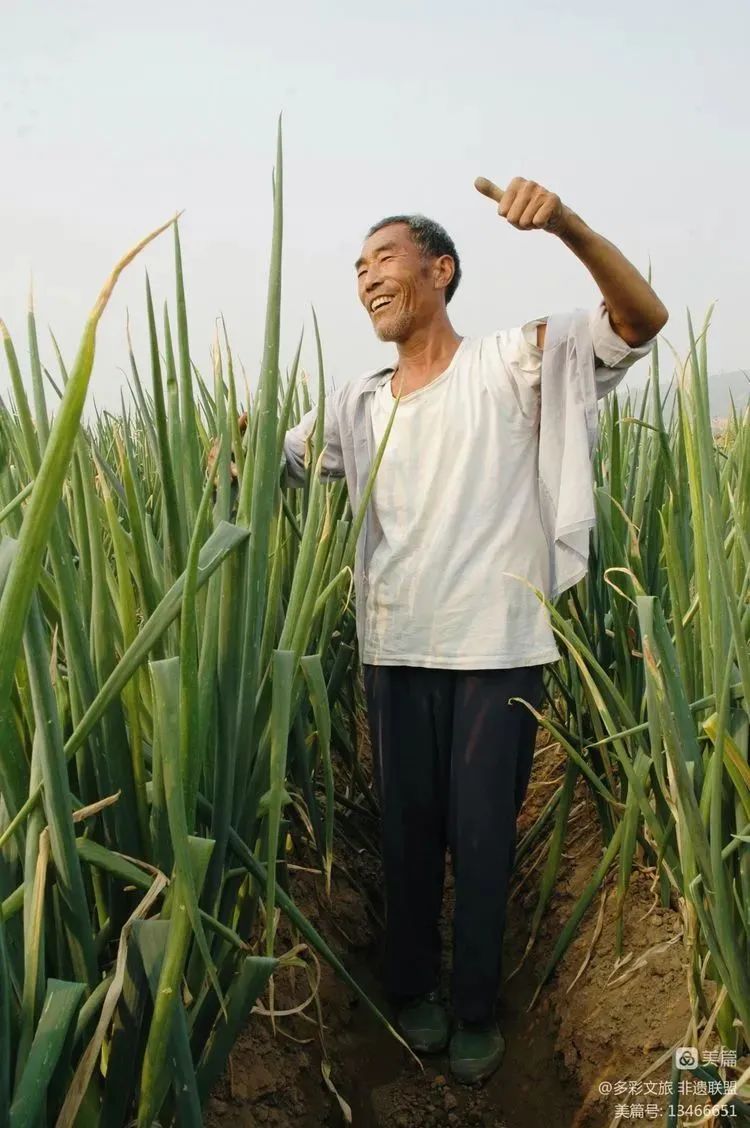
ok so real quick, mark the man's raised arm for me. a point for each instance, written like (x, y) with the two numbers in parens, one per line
(635, 312)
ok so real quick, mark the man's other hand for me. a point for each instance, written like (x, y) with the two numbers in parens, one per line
(213, 450)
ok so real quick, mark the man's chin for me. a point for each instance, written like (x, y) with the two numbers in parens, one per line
(395, 331)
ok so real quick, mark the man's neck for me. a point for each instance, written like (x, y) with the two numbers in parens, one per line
(426, 354)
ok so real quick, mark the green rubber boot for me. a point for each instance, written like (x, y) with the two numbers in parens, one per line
(476, 1051)
(424, 1024)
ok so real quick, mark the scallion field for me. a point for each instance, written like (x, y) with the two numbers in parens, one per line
(181, 714)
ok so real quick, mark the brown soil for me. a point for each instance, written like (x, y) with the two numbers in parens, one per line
(557, 1054)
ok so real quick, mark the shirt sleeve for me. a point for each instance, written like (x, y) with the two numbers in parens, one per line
(612, 355)
(297, 438)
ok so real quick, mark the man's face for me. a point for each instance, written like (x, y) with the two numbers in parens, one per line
(396, 284)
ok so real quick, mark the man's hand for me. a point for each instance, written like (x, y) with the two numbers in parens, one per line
(526, 205)
(214, 450)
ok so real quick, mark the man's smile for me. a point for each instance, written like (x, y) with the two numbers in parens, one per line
(380, 302)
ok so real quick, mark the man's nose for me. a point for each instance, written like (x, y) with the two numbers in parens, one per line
(372, 281)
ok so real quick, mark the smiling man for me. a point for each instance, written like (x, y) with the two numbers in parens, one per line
(447, 633)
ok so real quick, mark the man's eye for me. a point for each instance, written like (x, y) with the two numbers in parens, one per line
(386, 258)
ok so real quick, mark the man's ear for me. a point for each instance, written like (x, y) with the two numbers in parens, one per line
(443, 271)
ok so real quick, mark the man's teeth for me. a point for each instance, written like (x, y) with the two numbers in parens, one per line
(379, 302)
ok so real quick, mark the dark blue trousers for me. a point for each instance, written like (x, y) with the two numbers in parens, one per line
(452, 760)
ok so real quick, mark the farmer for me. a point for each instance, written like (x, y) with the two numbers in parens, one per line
(448, 630)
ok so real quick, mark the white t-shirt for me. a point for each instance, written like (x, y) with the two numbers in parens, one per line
(456, 501)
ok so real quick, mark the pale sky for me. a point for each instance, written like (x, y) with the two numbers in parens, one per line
(113, 117)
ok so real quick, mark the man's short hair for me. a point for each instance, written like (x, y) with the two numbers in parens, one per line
(432, 240)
